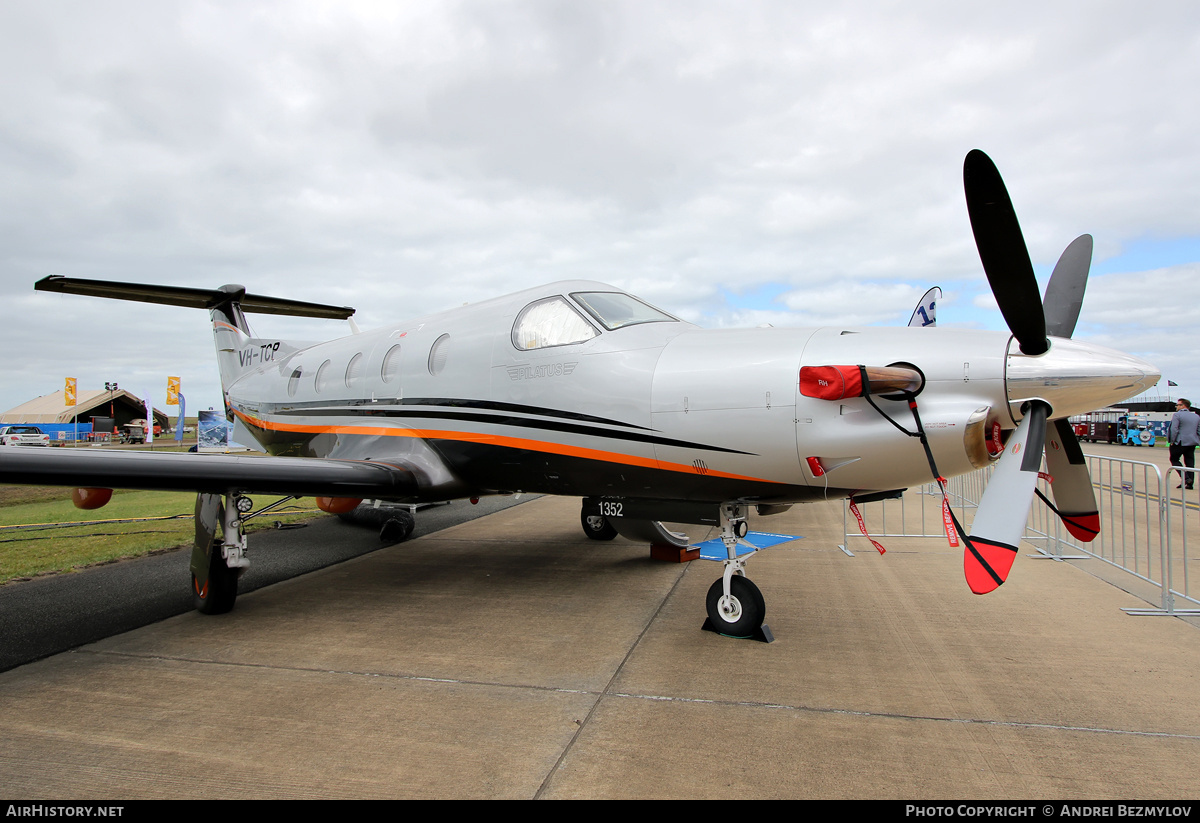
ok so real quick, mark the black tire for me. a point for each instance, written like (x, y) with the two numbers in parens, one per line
(749, 607)
(597, 527)
(398, 528)
(220, 593)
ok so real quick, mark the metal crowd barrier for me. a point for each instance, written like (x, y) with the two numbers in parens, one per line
(914, 516)
(1144, 523)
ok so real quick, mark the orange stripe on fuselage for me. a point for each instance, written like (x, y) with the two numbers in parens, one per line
(492, 440)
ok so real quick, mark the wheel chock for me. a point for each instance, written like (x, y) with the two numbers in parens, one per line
(762, 634)
(674, 554)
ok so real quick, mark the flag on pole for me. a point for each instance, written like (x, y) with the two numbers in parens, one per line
(149, 420)
(172, 391)
(179, 422)
(925, 314)
(69, 392)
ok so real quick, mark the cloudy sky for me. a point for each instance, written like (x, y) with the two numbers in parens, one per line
(736, 163)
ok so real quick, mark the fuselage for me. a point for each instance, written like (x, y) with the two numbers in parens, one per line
(571, 388)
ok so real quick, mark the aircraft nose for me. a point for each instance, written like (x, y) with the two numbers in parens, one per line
(1076, 377)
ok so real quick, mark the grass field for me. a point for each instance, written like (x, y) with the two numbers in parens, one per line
(45, 546)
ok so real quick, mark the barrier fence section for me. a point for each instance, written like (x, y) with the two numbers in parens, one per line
(913, 515)
(1144, 522)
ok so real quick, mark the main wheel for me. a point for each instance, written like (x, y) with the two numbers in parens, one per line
(597, 527)
(741, 613)
(398, 528)
(217, 596)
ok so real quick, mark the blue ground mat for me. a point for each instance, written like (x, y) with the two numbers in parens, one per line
(715, 549)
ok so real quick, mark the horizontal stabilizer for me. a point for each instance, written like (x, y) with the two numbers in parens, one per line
(211, 473)
(191, 298)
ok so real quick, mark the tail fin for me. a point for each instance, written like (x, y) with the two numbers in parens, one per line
(226, 305)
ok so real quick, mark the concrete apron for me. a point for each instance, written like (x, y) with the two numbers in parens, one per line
(512, 657)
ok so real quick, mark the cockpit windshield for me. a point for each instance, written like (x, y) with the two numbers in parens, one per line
(615, 310)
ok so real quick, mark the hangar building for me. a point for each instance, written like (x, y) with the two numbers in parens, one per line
(51, 412)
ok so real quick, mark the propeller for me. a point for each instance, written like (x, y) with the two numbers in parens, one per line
(1064, 292)
(1000, 521)
(1072, 486)
(1002, 251)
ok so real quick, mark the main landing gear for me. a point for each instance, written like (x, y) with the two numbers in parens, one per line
(735, 605)
(217, 564)
(596, 526)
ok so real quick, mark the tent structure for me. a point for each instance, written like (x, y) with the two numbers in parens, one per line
(51, 409)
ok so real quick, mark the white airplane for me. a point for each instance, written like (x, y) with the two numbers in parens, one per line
(578, 388)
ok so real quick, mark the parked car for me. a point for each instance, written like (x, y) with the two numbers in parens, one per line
(135, 431)
(23, 436)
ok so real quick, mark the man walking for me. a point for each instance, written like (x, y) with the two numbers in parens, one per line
(1184, 436)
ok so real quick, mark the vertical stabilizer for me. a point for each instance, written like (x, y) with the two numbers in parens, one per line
(237, 350)
(231, 334)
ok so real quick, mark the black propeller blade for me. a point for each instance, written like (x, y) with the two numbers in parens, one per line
(1064, 292)
(1003, 253)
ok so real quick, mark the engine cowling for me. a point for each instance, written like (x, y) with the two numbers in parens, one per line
(338, 505)
(91, 498)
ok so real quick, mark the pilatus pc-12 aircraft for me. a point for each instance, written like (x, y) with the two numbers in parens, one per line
(578, 388)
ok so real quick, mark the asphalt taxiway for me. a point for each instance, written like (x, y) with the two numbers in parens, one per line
(54, 613)
(510, 656)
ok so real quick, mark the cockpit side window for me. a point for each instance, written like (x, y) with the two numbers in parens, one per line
(550, 322)
(615, 310)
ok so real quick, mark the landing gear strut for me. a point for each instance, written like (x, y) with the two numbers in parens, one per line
(217, 564)
(735, 605)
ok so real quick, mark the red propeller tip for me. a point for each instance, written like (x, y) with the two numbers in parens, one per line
(1083, 527)
(986, 565)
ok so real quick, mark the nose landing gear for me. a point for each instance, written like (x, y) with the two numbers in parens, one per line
(735, 605)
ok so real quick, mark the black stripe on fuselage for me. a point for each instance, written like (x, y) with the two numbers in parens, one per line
(453, 402)
(540, 422)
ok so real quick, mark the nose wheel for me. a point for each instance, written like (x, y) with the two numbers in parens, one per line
(739, 613)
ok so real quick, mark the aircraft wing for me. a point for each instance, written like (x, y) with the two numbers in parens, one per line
(211, 473)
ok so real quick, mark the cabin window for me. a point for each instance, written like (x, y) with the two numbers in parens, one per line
(354, 370)
(321, 381)
(294, 382)
(551, 322)
(391, 365)
(438, 353)
(615, 310)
